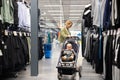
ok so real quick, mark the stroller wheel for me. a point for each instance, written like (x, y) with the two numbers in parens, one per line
(74, 76)
(59, 76)
(80, 75)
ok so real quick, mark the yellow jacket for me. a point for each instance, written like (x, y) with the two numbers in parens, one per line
(63, 34)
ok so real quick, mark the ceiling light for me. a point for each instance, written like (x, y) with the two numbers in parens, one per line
(74, 17)
(57, 17)
(77, 5)
(52, 5)
(56, 14)
(65, 11)
(75, 14)
(63, 5)
(76, 10)
(64, 14)
(55, 11)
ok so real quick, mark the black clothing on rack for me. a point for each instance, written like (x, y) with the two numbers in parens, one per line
(108, 58)
(0, 3)
(16, 19)
(118, 56)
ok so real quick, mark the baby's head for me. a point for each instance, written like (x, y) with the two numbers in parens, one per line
(69, 46)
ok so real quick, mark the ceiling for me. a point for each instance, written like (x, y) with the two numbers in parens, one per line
(55, 12)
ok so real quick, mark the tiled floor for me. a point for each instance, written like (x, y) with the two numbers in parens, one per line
(48, 71)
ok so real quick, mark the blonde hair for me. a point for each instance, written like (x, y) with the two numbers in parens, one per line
(68, 22)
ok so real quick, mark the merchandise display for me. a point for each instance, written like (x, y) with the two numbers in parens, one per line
(58, 38)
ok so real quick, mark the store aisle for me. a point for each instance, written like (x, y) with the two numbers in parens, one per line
(48, 71)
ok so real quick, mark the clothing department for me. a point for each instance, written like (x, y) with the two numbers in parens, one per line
(14, 36)
(15, 15)
(101, 37)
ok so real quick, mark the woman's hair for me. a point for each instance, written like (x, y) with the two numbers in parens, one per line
(68, 22)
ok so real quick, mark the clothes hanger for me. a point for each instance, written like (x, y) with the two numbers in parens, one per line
(88, 11)
(118, 31)
(108, 32)
(87, 5)
(23, 1)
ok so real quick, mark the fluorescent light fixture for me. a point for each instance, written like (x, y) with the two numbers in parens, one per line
(65, 11)
(55, 11)
(75, 14)
(64, 14)
(76, 5)
(52, 5)
(69, 19)
(74, 17)
(56, 14)
(76, 10)
(57, 17)
(64, 5)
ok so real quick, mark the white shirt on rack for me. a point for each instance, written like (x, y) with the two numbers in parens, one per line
(23, 15)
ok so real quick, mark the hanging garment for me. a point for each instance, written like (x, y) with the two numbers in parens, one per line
(1, 56)
(102, 8)
(118, 12)
(0, 3)
(108, 59)
(107, 14)
(25, 48)
(114, 14)
(23, 15)
(98, 62)
(104, 50)
(7, 11)
(95, 12)
(118, 53)
(115, 73)
(40, 50)
(87, 47)
(15, 5)
(87, 18)
(16, 57)
(29, 45)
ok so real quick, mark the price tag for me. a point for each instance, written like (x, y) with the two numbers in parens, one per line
(3, 42)
(104, 34)
(5, 46)
(15, 33)
(24, 34)
(8, 2)
(108, 32)
(114, 32)
(1, 54)
(6, 33)
(28, 34)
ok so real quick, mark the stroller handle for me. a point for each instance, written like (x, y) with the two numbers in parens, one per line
(72, 38)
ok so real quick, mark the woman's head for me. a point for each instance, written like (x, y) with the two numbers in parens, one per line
(68, 24)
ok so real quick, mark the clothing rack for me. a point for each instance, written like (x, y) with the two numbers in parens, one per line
(17, 33)
(103, 52)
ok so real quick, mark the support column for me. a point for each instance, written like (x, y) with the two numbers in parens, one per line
(34, 38)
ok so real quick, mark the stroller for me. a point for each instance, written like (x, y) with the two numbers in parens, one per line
(69, 67)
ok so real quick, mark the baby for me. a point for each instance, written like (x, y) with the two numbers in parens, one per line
(69, 55)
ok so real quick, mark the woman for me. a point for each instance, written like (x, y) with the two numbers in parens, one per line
(64, 33)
